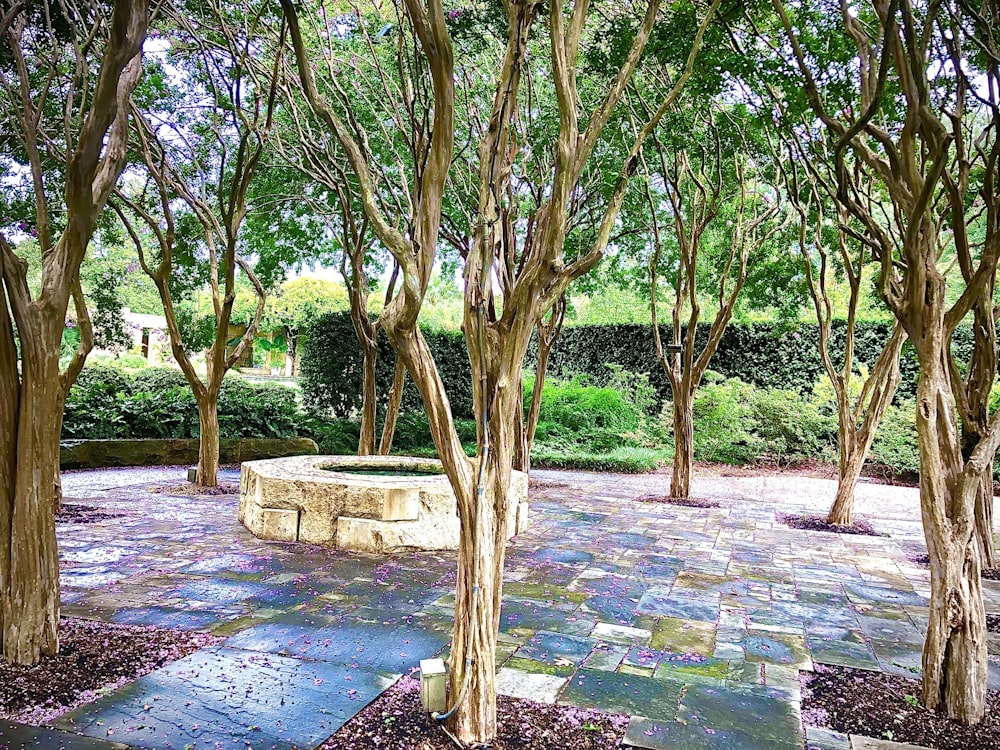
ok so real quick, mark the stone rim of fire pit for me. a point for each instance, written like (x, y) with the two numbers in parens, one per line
(306, 498)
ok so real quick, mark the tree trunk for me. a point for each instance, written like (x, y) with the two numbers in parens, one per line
(522, 448)
(291, 349)
(369, 404)
(10, 394)
(482, 552)
(392, 408)
(208, 439)
(984, 519)
(852, 459)
(535, 409)
(954, 655)
(31, 602)
(680, 480)
(982, 371)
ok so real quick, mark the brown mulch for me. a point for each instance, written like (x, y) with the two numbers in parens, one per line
(547, 484)
(395, 721)
(992, 574)
(93, 657)
(188, 489)
(873, 473)
(875, 704)
(818, 523)
(685, 502)
(81, 513)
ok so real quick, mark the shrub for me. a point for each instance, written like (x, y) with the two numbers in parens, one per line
(108, 403)
(154, 379)
(791, 426)
(335, 437)
(722, 421)
(766, 355)
(165, 413)
(93, 406)
(331, 370)
(623, 459)
(895, 444)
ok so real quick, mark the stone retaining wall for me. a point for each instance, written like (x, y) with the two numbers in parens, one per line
(98, 454)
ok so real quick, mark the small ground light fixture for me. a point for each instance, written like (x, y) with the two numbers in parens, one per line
(433, 679)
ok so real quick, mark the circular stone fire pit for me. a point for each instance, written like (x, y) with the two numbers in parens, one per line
(361, 503)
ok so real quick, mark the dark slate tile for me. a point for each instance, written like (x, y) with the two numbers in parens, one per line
(651, 734)
(623, 693)
(168, 617)
(766, 715)
(844, 653)
(226, 696)
(21, 737)
(556, 648)
(219, 591)
(370, 646)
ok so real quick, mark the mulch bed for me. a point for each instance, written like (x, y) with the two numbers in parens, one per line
(80, 513)
(547, 484)
(93, 657)
(396, 721)
(993, 623)
(818, 523)
(188, 489)
(872, 473)
(992, 574)
(685, 502)
(874, 704)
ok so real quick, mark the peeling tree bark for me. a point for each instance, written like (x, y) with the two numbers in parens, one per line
(32, 394)
(395, 401)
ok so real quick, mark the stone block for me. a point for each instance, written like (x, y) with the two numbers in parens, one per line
(280, 524)
(402, 504)
(380, 537)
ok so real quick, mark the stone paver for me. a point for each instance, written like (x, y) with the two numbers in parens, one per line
(692, 621)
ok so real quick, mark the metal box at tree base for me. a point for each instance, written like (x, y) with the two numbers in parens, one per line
(433, 685)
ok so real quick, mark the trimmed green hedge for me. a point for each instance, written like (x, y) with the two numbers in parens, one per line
(764, 355)
(107, 403)
(331, 370)
(761, 354)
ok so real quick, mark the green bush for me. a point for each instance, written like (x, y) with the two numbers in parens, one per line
(154, 379)
(335, 437)
(93, 407)
(262, 410)
(331, 370)
(895, 444)
(577, 418)
(722, 421)
(109, 403)
(766, 355)
(166, 413)
(625, 460)
(791, 426)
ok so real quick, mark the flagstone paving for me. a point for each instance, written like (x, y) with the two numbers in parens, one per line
(695, 622)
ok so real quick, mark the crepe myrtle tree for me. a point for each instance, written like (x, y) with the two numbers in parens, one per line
(330, 194)
(711, 214)
(911, 105)
(511, 279)
(66, 74)
(191, 197)
(827, 247)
